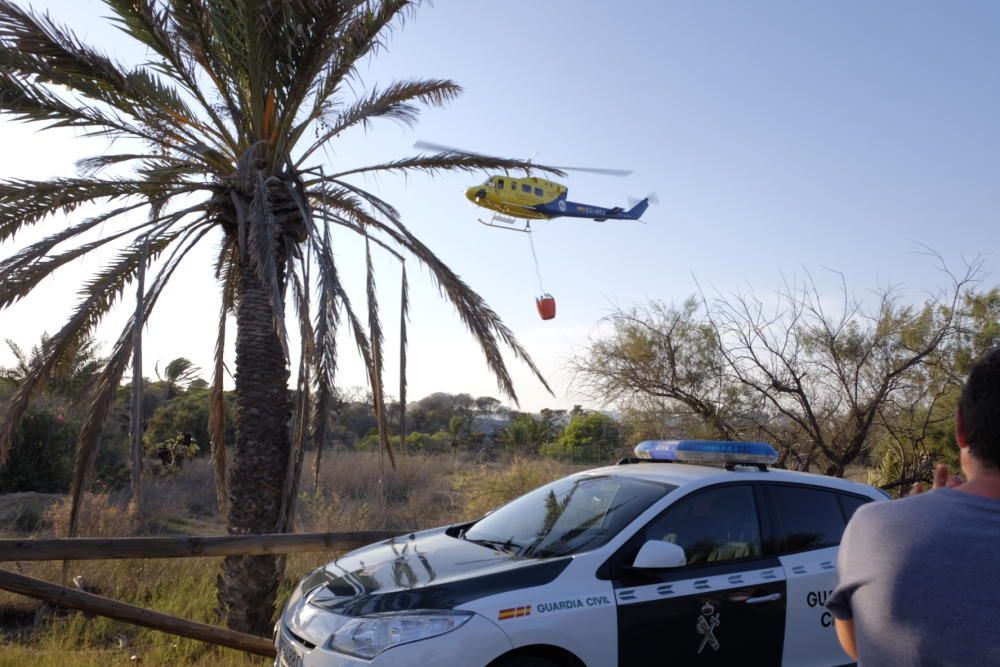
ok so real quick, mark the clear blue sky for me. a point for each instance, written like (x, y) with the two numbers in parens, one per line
(779, 136)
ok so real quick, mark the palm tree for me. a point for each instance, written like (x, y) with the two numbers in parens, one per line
(71, 376)
(179, 373)
(223, 130)
(524, 433)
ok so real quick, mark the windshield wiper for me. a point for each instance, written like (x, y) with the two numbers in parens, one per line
(506, 546)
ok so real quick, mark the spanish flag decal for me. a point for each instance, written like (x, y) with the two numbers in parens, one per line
(514, 612)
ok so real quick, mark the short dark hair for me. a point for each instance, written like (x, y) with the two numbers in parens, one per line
(980, 407)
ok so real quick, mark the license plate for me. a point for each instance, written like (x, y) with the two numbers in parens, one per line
(288, 656)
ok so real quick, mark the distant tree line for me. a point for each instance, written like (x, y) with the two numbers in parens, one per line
(176, 405)
(871, 386)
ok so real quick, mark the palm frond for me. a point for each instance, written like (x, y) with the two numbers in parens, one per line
(358, 38)
(92, 166)
(110, 378)
(217, 410)
(331, 201)
(193, 28)
(37, 47)
(375, 370)
(24, 203)
(441, 162)
(28, 258)
(304, 43)
(380, 205)
(396, 102)
(327, 325)
(135, 408)
(26, 101)
(484, 324)
(150, 25)
(404, 315)
(25, 270)
(303, 401)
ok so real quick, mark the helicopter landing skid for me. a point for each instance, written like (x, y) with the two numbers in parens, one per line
(508, 223)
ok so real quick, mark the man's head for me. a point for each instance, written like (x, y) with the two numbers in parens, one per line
(979, 411)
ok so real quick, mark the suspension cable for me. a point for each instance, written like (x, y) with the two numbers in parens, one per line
(534, 256)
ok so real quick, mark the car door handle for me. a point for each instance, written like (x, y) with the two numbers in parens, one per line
(760, 599)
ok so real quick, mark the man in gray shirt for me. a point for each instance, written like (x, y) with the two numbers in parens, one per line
(919, 578)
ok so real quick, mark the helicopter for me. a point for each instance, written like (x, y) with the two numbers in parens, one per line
(532, 198)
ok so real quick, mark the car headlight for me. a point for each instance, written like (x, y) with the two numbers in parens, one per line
(367, 636)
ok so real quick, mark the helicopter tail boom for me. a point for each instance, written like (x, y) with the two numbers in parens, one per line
(572, 209)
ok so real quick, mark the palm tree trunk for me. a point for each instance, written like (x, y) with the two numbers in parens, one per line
(248, 584)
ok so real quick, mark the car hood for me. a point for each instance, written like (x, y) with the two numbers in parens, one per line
(425, 570)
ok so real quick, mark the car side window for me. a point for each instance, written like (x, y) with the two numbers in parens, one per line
(850, 504)
(806, 518)
(711, 526)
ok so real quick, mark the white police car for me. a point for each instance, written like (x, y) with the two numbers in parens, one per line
(642, 563)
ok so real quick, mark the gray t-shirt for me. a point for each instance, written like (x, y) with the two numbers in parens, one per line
(921, 579)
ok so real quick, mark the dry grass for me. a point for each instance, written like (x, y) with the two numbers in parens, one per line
(355, 493)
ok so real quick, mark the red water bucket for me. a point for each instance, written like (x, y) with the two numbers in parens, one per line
(546, 304)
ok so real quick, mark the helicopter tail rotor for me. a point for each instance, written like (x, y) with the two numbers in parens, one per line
(652, 198)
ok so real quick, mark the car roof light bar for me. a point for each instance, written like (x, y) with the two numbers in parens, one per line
(731, 453)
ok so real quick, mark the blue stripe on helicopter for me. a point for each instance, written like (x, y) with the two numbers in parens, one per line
(562, 207)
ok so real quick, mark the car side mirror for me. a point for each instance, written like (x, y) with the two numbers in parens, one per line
(656, 554)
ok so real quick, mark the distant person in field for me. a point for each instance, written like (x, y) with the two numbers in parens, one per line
(918, 580)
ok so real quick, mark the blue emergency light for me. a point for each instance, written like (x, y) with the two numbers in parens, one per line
(707, 451)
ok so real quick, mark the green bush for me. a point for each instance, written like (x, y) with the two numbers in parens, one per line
(186, 413)
(589, 438)
(42, 457)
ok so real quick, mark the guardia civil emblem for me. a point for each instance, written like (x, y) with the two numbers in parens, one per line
(707, 623)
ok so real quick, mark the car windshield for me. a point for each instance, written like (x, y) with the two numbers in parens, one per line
(568, 516)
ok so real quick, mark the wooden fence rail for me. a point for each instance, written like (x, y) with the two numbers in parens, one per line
(89, 548)
(121, 611)
(92, 548)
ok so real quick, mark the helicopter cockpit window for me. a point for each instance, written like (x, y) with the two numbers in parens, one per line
(526, 188)
(500, 184)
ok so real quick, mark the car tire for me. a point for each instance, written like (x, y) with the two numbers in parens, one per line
(524, 660)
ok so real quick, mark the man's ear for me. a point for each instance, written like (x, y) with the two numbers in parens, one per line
(960, 428)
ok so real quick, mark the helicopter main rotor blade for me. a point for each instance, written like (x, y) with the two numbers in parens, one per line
(593, 170)
(426, 145)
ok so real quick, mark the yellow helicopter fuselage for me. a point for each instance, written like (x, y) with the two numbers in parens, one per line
(518, 197)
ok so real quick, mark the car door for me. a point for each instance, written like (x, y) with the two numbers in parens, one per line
(726, 606)
(808, 522)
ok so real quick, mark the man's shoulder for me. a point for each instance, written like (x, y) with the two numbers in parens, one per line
(879, 515)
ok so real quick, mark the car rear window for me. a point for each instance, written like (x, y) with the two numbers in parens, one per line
(850, 504)
(806, 518)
